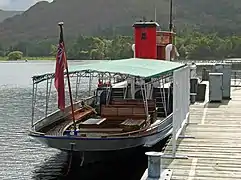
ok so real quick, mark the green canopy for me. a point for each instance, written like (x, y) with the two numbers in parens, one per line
(145, 68)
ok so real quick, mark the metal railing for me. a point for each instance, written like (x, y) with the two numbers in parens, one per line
(236, 78)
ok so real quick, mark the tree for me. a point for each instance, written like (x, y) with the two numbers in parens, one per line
(2, 53)
(53, 50)
(15, 55)
(191, 45)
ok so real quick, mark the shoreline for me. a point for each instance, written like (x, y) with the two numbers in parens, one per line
(44, 60)
(51, 58)
(28, 59)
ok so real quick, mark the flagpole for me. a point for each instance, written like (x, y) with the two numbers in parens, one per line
(155, 13)
(171, 16)
(61, 24)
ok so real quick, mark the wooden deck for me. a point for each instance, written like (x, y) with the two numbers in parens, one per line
(214, 144)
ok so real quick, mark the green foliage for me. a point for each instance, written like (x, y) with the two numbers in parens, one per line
(191, 45)
(15, 55)
(2, 52)
(210, 46)
(53, 50)
(100, 48)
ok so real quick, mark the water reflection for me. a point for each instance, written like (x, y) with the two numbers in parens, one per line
(128, 165)
(57, 167)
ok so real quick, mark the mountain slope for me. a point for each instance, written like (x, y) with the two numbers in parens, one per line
(93, 17)
(222, 16)
(7, 14)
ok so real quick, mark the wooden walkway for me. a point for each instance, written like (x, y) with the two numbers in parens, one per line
(214, 152)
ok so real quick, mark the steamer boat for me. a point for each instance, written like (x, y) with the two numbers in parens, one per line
(130, 105)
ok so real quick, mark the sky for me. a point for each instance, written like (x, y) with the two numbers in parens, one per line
(21, 5)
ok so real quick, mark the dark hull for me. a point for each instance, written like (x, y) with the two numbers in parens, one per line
(103, 156)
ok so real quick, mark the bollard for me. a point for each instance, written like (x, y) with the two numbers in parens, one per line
(204, 71)
(154, 164)
(205, 74)
(193, 70)
(235, 77)
(193, 98)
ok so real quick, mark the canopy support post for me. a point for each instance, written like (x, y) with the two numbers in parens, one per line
(48, 93)
(78, 78)
(144, 95)
(47, 100)
(90, 83)
(132, 87)
(34, 95)
(108, 91)
(169, 94)
(162, 93)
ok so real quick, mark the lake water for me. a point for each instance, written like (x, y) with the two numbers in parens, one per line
(20, 156)
(23, 158)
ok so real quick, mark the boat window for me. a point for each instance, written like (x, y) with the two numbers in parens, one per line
(143, 35)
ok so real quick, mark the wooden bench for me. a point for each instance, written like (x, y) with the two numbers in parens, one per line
(152, 109)
(150, 102)
(92, 122)
(131, 122)
(100, 130)
(132, 125)
(79, 114)
(134, 102)
(116, 113)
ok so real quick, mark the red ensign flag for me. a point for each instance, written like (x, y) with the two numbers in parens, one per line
(59, 72)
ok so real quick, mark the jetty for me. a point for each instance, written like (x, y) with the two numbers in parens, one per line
(212, 144)
(208, 146)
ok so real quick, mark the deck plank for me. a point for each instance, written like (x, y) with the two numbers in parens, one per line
(214, 151)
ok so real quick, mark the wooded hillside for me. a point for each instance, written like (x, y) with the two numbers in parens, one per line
(108, 17)
(7, 14)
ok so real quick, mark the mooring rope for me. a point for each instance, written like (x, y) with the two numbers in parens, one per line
(70, 160)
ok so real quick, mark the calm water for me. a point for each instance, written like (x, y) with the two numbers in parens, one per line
(23, 158)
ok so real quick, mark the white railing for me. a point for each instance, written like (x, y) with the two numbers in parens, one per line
(181, 102)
